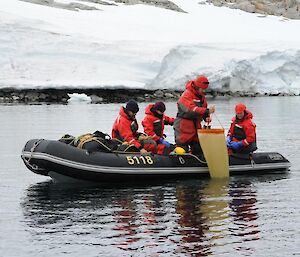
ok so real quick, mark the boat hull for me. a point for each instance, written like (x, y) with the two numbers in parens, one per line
(59, 160)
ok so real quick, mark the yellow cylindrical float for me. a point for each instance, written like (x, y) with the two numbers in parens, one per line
(214, 148)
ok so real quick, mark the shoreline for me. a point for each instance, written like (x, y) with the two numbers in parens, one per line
(98, 96)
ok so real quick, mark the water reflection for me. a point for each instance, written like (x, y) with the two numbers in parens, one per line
(190, 218)
(204, 211)
(244, 213)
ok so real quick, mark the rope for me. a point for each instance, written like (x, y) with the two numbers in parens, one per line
(218, 120)
(196, 157)
(81, 144)
(27, 161)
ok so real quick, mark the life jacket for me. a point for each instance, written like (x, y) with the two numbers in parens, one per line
(239, 132)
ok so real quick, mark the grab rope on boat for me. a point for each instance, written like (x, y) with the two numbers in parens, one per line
(197, 158)
(27, 161)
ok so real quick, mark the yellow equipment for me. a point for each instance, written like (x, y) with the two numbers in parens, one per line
(213, 145)
(179, 150)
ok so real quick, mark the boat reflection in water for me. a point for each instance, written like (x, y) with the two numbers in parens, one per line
(220, 215)
(193, 217)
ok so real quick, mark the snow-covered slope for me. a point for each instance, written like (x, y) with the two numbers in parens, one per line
(141, 46)
(260, 68)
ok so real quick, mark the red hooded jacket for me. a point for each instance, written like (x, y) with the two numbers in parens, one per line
(243, 130)
(153, 125)
(125, 129)
(192, 108)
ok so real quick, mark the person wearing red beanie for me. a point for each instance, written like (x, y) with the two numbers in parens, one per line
(241, 137)
(192, 109)
(201, 82)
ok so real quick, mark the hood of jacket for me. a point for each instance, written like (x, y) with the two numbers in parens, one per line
(148, 109)
(123, 113)
(191, 89)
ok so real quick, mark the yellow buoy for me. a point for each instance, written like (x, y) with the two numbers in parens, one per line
(179, 150)
(213, 145)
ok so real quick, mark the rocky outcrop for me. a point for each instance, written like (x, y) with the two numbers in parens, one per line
(77, 6)
(286, 8)
(158, 3)
(35, 96)
(99, 96)
(69, 6)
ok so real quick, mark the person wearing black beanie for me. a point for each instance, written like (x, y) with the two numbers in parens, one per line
(125, 128)
(132, 106)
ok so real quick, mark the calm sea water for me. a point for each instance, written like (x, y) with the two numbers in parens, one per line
(244, 216)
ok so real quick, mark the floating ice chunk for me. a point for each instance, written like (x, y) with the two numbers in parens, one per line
(79, 98)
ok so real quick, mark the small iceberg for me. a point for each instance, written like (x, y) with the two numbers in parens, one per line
(79, 98)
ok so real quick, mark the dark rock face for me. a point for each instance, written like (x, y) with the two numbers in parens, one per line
(35, 96)
(99, 96)
(77, 6)
(71, 6)
(158, 3)
(286, 8)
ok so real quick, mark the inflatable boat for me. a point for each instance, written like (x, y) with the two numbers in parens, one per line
(65, 162)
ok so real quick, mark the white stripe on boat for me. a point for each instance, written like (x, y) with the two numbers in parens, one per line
(146, 170)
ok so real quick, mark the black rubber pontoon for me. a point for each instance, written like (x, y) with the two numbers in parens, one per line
(59, 160)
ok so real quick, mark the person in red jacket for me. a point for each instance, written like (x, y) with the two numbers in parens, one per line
(192, 109)
(154, 123)
(241, 137)
(125, 128)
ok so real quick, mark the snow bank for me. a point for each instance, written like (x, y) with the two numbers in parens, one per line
(146, 47)
(248, 68)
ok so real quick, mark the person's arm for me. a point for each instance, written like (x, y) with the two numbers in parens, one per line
(168, 120)
(190, 106)
(231, 129)
(250, 133)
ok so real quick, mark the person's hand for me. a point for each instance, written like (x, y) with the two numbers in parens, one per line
(228, 141)
(236, 145)
(143, 151)
(142, 137)
(145, 137)
(164, 142)
(208, 119)
(211, 109)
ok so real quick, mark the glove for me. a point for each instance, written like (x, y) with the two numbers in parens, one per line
(228, 141)
(164, 142)
(236, 145)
